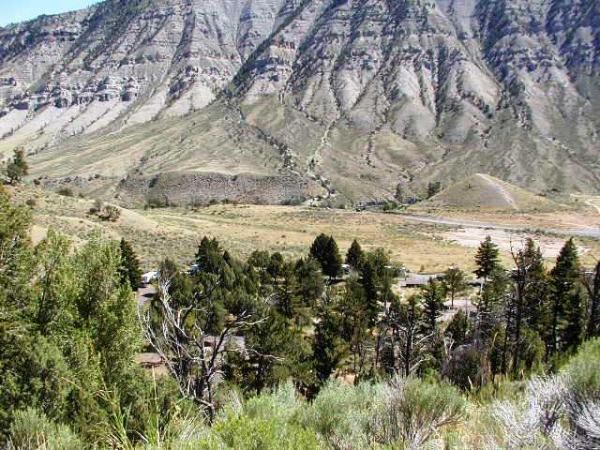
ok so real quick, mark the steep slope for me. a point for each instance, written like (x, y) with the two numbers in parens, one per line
(356, 96)
(484, 192)
(122, 63)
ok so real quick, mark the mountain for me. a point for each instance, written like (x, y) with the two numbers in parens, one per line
(177, 100)
(484, 192)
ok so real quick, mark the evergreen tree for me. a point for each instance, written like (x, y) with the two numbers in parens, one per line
(286, 292)
(433, 188)
(370, 286)
(376, 279)
(15, 256)
(454, 283)
(490, 306)
(355, 255)
(487, 258)
(259, 259)
(55, 286)
(130, 266)
(325, 250)
(459, 329)
(535, 298)
(278, 354)
(310, 281)
(432, 303)
(573, 330)
(18, 167)
(168, 269)
(527, 301)
(209, 256)
(564, 278)
(328, 347)
(275, 266)
(355, 324)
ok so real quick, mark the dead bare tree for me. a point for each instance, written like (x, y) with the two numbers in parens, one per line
(193, 357)
(591, 282)
(407, 341)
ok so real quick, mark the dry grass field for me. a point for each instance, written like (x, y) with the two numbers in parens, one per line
(175, 232)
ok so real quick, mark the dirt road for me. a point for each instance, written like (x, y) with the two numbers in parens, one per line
(587, 232)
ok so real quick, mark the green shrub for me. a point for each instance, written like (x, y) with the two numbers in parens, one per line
(31, 429)
(583, 370)
(343, 414)
(414, 410)
(247, 433)
(282, 403)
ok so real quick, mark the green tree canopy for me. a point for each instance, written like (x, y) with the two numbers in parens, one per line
(565, 279)
(130, 265)
(454, 283)
(355, 255)
(17, 168)
(325, 250)
(487, 258)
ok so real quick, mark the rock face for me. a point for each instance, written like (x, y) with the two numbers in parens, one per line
(358, 95)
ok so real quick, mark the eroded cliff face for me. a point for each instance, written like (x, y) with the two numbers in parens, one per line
(125, 62)
(356, 95)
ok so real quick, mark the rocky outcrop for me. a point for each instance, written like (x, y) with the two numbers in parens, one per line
(356, 95)
(176, 189)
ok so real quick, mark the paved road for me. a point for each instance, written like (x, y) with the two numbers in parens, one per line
(579, 232)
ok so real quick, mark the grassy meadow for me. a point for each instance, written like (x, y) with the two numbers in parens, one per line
(176, 232)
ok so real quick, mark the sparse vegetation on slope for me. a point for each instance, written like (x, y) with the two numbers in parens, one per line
(483, 192)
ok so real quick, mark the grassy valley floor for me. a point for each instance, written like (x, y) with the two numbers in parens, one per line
(426, 247)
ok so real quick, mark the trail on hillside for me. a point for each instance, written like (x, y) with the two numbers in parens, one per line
(593, 205)
(501, 190)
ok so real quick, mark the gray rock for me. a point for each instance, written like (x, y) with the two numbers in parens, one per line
(427, 89)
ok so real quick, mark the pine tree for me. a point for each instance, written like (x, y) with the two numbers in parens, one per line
(15, 255)
(310, 281)
(275, 266)
(459, 328)
(574, 320)
(527, 303)
(259, 259)
(286, 292)
(487, 258)
(376, 279)
(277, 353)
(355, 323)
(209, 256)
(130, 266)
(328, 347)
(564, 278)
(355, 255)
(370, 286)
(454, 283)
(491, 303)
(432, 302)
(325, 250)
(18, 167)
(535, 307)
